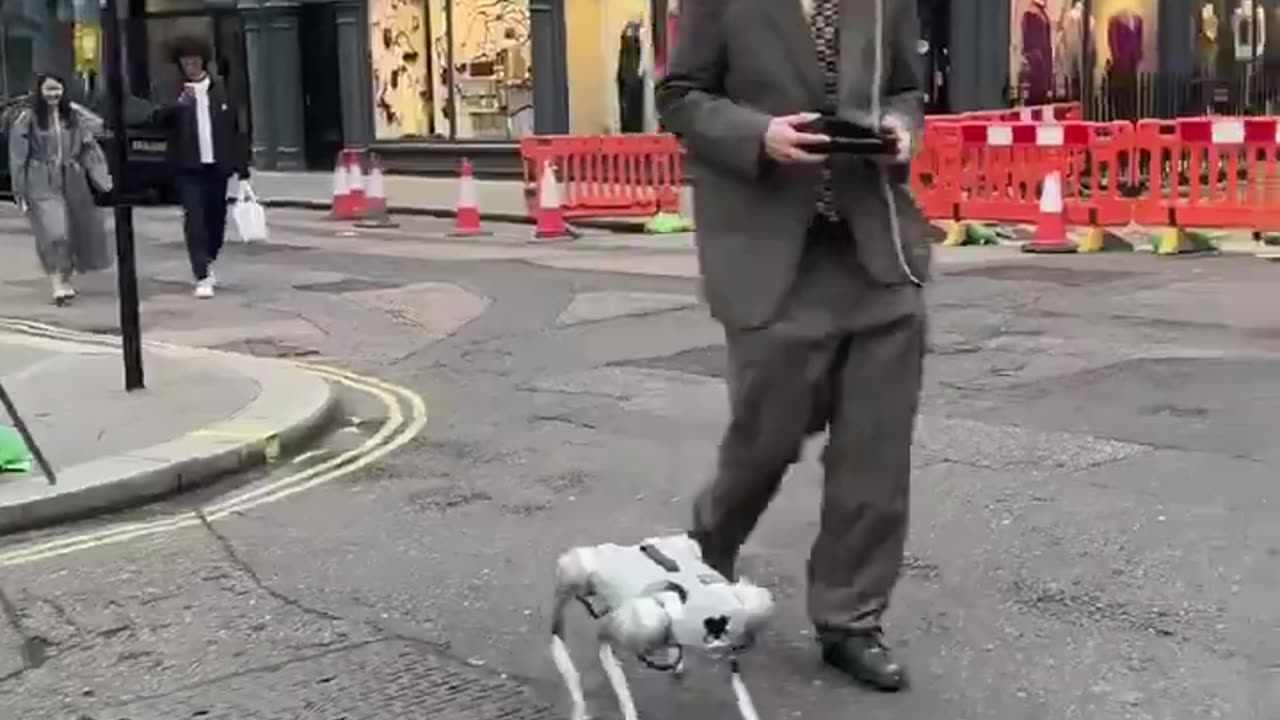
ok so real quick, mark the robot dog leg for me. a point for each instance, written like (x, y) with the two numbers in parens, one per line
(650, 597)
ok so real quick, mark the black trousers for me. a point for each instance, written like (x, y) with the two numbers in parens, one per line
(203, 194)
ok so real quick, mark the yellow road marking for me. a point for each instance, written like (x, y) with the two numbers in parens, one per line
(307, 456)
(389, 437)
(215, 432)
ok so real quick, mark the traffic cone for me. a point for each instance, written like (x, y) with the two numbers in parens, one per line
(466, 221)
(375, 207)
(1051, 227)
(355, 182)
(550, 215)
(340, 205)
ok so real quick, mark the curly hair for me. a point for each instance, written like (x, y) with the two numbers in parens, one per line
(190, 46)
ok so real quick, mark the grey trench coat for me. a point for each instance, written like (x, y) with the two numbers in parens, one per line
(51, 170)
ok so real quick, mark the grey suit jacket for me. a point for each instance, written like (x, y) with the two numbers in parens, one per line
(736, 64)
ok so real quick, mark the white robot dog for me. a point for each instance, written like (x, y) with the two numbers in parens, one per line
(655, 599)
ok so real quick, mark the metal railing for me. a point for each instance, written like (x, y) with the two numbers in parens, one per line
(1248, 89)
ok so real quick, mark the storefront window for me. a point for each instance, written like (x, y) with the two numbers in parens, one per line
(492, 90)
(493, 75)
(612, 57)
(399, 31)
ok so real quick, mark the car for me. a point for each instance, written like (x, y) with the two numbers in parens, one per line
(147, 179)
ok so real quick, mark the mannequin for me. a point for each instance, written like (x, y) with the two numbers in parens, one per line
(1124, 39)
(1072, 62)
(1207, 39)
(630, 80)
(1244, 20)
(650, 75)
(1037, 52)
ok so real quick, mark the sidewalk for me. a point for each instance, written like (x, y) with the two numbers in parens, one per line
(499, 200)
(503, 201)
(202, 415)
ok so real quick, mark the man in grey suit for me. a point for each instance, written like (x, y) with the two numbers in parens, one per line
(815, 266)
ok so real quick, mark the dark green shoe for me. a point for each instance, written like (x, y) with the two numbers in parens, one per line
(865, 658)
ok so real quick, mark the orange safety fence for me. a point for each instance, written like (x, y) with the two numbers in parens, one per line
(1192, 172)
(1208, 173)
(993, 171)
(608, 175)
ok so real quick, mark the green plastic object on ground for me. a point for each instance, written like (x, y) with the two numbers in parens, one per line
(663, 223)
(978, 234)
(14, 455)
(1194, 241)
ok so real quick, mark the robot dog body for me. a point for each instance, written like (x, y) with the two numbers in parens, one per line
(655, 596)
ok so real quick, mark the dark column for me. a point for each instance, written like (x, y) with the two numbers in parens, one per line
(264, 155)
(1176, 52)
(979, 54)
(550, 73)
(275, 82)
(355, 79)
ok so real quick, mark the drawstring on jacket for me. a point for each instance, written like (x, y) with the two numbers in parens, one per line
(877, 76)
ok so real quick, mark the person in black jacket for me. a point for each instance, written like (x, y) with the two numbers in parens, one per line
(206, 146)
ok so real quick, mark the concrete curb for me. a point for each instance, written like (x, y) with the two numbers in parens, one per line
(291, 407)
(619, 225)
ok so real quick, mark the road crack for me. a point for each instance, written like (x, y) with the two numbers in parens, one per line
(244, 567)
(33, 649)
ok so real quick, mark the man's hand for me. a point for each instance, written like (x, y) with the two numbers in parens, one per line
(897, 127)
(785, 144)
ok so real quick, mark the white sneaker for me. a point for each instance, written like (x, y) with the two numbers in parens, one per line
(62, 290)
(213, 279)
(204, 289)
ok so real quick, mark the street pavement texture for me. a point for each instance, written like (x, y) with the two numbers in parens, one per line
(1095, 533)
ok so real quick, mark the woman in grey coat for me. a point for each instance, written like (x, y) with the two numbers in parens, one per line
(53, 160)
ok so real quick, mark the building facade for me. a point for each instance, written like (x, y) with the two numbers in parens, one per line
(422, 81)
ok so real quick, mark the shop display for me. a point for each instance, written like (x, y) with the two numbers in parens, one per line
(1071, 61)
(397, 38)
(630, 80)
(1037, 52)
(1207, 39)
(1124, 41)
(1248, 31)
(492, 74)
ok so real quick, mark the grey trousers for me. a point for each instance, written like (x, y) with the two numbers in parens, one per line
(844, 354)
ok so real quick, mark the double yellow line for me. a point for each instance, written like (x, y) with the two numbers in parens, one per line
(406, 416)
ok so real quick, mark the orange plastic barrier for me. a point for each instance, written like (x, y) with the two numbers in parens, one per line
(1208, 172)
(609, 175)
(993, 171)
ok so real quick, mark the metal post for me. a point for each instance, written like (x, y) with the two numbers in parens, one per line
(26, 436)
(126, 257)
(449, 73)
(1086, 67)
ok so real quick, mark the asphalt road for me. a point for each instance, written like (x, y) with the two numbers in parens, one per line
(1096, 533)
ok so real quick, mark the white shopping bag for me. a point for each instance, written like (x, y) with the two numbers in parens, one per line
(249, 217)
